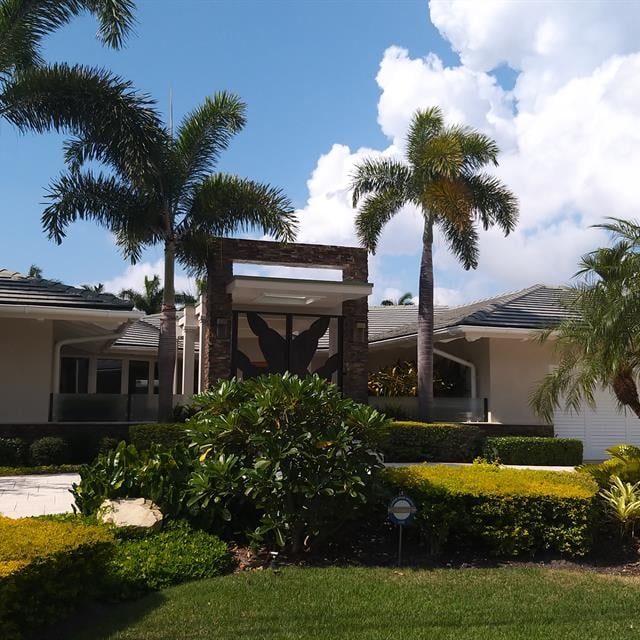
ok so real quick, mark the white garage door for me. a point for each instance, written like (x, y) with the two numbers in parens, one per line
(599, 429)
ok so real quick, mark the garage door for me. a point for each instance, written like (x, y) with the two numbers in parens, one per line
(599, 429)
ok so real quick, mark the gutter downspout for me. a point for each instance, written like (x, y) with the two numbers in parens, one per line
(114, 335)
(465, 363)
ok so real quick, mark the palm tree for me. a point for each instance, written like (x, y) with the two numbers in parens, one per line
(598, 346)
(442, 176)
(159, 188)
(150, 299)
(406, 299)
(35, 271)
(94, 288)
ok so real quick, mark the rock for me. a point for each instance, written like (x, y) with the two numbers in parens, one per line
(131, 512)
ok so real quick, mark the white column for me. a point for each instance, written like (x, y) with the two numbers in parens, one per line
(189, 330)
(201, 322)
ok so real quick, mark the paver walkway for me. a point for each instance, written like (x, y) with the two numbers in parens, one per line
(37, 495)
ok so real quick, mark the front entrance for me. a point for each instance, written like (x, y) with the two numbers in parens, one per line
(304, 344)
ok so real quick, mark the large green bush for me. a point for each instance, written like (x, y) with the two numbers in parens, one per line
(533, 450)
(165, 434)
(501, 511)
(176, 554)
(47, 569)
(50, 450)
(304, 453)
(420, 442)
(12, 452)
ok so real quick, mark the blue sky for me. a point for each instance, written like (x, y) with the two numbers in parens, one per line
(306, 69)
(330, 82)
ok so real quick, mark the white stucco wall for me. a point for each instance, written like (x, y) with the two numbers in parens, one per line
(26, 352)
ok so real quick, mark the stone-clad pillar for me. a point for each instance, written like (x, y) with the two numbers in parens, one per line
(355, 358)
(219, 317)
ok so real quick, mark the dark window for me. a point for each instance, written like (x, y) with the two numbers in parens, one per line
(74, 375)
(156, 381)
(109, 376)
(138, 376)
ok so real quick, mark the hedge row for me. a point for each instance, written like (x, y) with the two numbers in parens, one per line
(533, 450)
(418, 442)
(46, 569)
(142, 436)
(500, 511)
(422, 442)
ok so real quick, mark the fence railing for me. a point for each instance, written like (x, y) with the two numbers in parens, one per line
(444, 409)
(106, 407)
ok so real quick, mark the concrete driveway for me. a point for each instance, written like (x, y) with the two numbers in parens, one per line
(37, 495)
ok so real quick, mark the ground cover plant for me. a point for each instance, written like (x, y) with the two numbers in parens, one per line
(530, 450)
(501, 511)
(365, 603)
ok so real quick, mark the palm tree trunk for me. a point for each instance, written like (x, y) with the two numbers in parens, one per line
(626, 390)
(425, 326)
(167, 346)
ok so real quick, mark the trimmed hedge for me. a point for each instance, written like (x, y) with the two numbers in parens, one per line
(47, 568)
(500, 511)
(422, 442)
(166, 434)
(13, 452)
(533, 450)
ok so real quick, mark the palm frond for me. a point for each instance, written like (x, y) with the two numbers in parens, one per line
(206, 132)
(112, 122)
(462, 240)
(493, 203)
(425, 125)
(376, 210)
(375, 175)
(478, 149)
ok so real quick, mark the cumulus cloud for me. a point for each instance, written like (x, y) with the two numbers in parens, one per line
(133, 278)
(569, 131)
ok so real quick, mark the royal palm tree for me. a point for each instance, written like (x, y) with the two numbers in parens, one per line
(442, 176)
(149, 299)
(406, 299)
(94, 288)
(598, 345)
(161, 189)
(34, 271)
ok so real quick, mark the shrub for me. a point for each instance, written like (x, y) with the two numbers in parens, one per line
(49, 450)
(624, 464)
(157, 474)
(533, 450)
(107, 444)
(176, 554)
(622, 505)
(167, 435)
(12, 452)
(419, 441)
(47, 568)
(501, 511)
(303, 451)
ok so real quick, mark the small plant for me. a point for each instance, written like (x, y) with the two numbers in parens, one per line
(622, 503)
(49, 450)
(624, 463)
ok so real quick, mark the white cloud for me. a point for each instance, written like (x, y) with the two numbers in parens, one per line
(133, 278)
(569, 131)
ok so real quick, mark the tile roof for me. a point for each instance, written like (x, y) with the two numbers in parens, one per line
(536, 307)
(18, 289)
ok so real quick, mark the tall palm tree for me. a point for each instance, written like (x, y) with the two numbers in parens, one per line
(406, 299)
(160, 189)
(34, 271)
(598, 346)
(442, 176)
(94, 288)
(149, 299)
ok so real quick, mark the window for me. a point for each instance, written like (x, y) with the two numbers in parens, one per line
(74, 375)
(109, 376)
(138, 376)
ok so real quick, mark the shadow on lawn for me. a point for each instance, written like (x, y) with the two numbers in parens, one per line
(101, 621)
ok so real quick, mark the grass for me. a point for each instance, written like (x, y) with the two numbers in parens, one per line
(29, 471)
(380, 604)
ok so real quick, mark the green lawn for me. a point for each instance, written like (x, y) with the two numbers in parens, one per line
(382, 604)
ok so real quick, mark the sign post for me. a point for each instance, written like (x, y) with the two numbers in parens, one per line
(401, 511)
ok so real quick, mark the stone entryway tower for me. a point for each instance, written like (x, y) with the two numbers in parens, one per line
(227, 294)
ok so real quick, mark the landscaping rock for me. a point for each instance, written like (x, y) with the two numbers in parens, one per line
(131, 512)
